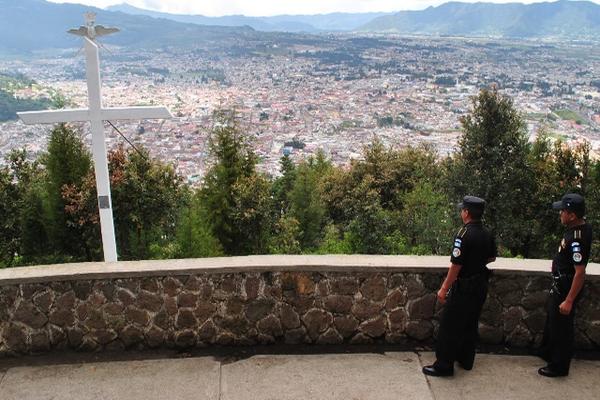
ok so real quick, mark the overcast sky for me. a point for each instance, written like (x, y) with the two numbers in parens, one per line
(276, 7)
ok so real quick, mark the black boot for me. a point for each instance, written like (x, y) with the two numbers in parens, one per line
(437, 370)
(551, 373)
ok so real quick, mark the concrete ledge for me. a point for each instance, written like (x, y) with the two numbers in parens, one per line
(268, 263)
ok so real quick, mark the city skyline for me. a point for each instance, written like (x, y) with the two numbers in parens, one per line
(270, 7)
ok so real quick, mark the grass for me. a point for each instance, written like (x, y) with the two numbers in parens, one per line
(570, 115)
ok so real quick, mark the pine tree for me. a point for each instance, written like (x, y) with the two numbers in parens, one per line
(10, 233)
(67, 162)
(491, 163)
(227, 192)
(193, 231)
(306, 203)
(282, 187)
(426, 220)
(27, 178)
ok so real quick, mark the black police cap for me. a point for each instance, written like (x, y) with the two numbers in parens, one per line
(472, 202)
(571, 202)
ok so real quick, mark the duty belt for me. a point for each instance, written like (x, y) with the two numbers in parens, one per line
(561, 283)
(472, 282)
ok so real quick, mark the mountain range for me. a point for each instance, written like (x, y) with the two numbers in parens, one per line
(285, 23)
(30, 25)
(560, 19)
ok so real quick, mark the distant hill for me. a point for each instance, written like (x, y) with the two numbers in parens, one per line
(9, 104)
(560, 19)
(283, 23)
(29, 25)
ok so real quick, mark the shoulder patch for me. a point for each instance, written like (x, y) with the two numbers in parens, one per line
(577, 257)
(456, 252)
(574, 244)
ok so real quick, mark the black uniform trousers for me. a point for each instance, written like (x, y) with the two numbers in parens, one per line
(559, 332)
(459, 324)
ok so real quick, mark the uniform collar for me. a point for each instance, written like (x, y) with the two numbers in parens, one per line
(473, 223)
(577, 226)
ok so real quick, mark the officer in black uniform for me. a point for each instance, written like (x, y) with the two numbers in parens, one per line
(568, 275)
(466, 287)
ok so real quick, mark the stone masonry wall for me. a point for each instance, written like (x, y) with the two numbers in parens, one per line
(246, 308)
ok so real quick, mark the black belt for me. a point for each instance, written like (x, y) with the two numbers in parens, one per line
(559, 275)
(474, 281)
(561, 283)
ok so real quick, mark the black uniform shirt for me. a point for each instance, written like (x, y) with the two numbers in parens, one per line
(574, 249)
(473, 247)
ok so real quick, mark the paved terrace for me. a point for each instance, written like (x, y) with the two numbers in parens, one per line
(364, 376)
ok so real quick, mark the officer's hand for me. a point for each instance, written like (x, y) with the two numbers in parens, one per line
(565, 307)
(441, 295)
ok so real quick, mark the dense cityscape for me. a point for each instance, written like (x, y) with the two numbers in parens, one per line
(331, 92)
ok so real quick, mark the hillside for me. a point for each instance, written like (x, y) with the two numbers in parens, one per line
(29, 25)
(283, 23)
(561, 19)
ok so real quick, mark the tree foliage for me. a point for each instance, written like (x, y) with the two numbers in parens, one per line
(389, 201)
(491, 163)
(146, 196)
(67, 162)
(236, 197)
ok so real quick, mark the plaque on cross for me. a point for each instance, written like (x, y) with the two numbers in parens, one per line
(96, 114)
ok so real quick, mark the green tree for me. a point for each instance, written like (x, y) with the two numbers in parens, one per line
(491, 163)
(393, 172)
(67, 162)
(593, 206)
(146, 196)
(31, 240)
(334, 241)
(306, 205)
(252, 214)
(227, 191)
(426, 219)
(82, 216)
(389, 173)
(10, 232)
(194, 234)
(285, 239)
(544, 226)
(572, 166)
(282, 186)
(557, 169)
(368, 230)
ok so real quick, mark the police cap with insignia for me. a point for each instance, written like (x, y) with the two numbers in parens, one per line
(472, 203)
(572, 202)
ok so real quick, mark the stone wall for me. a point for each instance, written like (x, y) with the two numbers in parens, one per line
(204, 307)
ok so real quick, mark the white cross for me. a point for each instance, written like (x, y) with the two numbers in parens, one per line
(96, 114)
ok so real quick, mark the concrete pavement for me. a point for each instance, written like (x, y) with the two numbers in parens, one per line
(391, 375)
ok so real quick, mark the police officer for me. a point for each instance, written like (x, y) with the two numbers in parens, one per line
(568, 275)
(465, 289)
